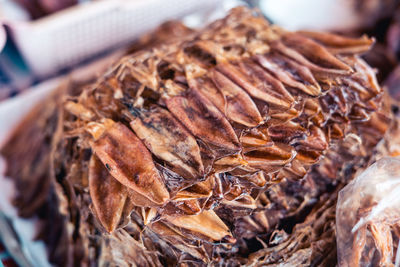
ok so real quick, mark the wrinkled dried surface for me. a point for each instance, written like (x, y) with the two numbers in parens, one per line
(224, 146)
(129, 162)
(108, 195)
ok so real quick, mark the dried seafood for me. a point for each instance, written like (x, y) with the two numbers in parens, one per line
(368, 217)
(214, 147)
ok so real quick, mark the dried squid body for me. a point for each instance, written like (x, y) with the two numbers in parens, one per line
(128, 161)
(201, 147)
(168, 139)
(368, 217)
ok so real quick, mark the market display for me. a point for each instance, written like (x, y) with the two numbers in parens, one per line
(222, 146)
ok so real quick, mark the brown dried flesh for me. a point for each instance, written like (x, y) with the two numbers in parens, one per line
(215, 139)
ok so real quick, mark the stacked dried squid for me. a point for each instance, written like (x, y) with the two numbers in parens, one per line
(214, 148)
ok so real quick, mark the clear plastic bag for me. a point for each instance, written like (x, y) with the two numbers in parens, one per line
(368, 217)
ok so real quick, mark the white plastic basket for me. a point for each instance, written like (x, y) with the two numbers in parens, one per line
(80, 32)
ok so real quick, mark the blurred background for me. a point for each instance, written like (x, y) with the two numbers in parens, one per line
(43, 43)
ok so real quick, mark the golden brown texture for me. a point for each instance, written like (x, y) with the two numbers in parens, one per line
(233, 117)
(224, 140)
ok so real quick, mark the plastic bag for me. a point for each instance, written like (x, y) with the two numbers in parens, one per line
(368, 217)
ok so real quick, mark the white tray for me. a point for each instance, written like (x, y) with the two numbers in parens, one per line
(82, 31)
